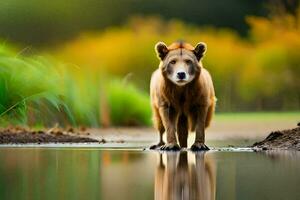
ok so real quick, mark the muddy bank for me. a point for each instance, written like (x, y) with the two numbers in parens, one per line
(281, 140)
(17, 135)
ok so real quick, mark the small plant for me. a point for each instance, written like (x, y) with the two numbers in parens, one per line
(127, 105)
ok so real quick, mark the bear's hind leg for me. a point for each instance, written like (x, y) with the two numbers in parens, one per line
(182, 130)
(209, 115)
(199, 115)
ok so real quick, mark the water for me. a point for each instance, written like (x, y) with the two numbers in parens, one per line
(97, 173)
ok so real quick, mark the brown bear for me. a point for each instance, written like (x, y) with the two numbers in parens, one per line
(182, 95)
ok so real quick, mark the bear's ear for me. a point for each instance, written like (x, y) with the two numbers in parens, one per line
(200, 50)
(161, 50)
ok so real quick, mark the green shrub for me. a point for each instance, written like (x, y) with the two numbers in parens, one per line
(127, 105)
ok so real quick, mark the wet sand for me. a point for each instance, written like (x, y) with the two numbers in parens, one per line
(233, 131)
(18, 135)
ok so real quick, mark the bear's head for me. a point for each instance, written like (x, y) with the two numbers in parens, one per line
(180, 62)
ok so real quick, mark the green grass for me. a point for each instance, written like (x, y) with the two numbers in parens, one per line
(128, 105)
(38, 91)
(27, 84)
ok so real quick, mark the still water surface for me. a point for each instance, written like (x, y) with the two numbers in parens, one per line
(95, 173)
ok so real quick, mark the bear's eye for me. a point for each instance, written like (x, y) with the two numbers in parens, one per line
(188, 61)
(172, 62)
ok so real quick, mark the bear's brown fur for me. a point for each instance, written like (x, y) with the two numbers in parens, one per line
(180, 105)
(177, 176)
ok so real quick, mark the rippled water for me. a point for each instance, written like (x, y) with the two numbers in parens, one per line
(95, 173)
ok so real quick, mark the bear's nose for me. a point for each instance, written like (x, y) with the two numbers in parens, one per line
(181, 75)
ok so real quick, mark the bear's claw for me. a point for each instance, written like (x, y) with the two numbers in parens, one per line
(199, 147)
(157, 146)
(170, 147)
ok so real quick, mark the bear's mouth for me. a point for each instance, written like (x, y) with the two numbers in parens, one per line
(181, 81)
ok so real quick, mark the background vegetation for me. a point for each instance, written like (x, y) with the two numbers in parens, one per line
(39, 91)
(97, 72)
(50, 22)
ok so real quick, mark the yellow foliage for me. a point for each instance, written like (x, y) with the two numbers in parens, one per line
(264, 65)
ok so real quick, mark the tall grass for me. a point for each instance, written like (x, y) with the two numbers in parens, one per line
(40, 91)
(25, 85)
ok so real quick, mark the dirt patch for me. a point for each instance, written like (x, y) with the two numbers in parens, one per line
(286, 140)
(17, 135)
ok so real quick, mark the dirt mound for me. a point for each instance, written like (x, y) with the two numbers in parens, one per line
(18, 135)
(286, 140)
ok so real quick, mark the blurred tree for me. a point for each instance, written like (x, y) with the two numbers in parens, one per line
(38, 22)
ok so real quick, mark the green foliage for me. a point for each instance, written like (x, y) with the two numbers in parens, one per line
(25, 82)
(127, 104)
(37, 90)
(81, 94)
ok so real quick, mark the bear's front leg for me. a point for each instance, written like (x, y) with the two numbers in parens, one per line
(169, 119)
(200, 118)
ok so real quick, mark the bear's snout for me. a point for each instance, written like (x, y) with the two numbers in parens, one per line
(181, 75)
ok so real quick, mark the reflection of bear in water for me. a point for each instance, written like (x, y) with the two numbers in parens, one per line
(178, 178)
